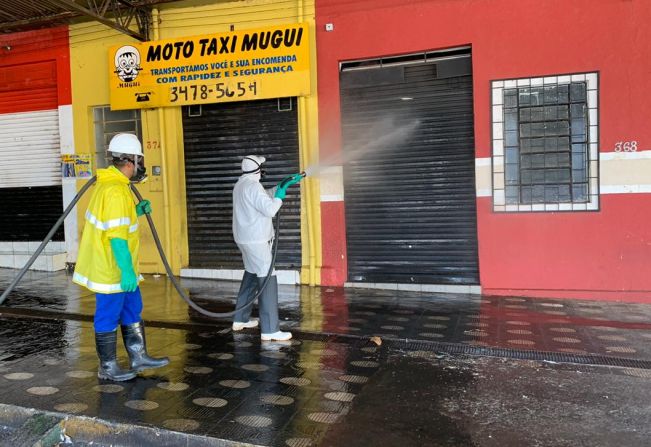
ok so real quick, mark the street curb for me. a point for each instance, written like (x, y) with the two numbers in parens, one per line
(100, 432)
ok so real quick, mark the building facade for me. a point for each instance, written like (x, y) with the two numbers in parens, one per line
(35, 131)
(451, 146)
(184, 105)
(557, 153)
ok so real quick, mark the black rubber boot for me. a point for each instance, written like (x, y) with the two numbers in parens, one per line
(136, 344)
(105, 342)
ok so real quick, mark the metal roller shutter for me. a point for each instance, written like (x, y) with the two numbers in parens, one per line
(30, 163)
(215, 142)
(410, 198)
(29, 213)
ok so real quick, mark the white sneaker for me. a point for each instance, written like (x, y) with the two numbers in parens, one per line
(277, 336)
(237, 326)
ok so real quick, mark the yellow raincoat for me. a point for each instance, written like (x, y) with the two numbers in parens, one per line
(110, 214)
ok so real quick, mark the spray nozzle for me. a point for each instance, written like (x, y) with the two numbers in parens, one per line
(292, 179)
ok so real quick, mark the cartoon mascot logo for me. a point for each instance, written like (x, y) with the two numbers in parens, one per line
(127, 63)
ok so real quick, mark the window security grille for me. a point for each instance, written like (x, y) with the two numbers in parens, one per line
(108, 123)
(545, 144)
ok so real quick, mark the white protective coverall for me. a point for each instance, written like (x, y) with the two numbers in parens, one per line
(253, 212)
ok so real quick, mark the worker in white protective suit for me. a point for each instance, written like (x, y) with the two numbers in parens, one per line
(253, 231)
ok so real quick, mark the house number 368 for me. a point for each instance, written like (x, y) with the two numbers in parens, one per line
(626, 146)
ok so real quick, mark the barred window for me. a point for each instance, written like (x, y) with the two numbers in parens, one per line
(545, 144)
(108, 123)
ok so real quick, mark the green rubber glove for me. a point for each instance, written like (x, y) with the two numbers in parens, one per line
(281, 189)
(280, 193)
(143, 207)
(296, 178)
(128, 281)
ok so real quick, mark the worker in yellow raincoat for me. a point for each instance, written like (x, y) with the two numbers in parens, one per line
(107, 263)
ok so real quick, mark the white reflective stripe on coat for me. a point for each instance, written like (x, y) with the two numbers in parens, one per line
(253, 211)
(111, 223)
(99, 287)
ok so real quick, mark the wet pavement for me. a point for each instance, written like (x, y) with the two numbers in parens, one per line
(614, 329)
(333, 385)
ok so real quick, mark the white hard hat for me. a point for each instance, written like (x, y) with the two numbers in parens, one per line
(251, 163)
(125, 143)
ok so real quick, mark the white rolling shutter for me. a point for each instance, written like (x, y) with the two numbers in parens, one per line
(29, 149)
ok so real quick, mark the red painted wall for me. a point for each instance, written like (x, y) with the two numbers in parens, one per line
(549, 254)
(35, 59)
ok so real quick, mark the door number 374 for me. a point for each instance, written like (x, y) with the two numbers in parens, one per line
(626, 146)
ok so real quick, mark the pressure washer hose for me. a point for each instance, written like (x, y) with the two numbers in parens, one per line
(159, 246)
(177, 285)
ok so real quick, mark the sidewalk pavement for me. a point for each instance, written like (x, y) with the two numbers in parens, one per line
(366, 367)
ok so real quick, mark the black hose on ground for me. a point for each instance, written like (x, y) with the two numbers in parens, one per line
(159, 246)
(177, 285)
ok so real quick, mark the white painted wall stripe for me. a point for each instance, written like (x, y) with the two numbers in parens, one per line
(331, 184)
(625, 189)
(639, 155)
(620, 173)
(332, 197)
(67, 145)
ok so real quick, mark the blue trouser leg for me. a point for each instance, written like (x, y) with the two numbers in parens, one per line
(132, 309)
(245, 295)
(111, 309)
(108, 307)
(268, 306)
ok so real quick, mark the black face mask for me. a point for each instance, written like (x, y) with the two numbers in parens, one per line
(140, 172)
(139, 175)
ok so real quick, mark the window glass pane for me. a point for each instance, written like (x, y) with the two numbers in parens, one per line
(120, 126)
(532, 145)
(537, 176)
(551, 94)
(563, 160)
(578, 160)
(511, 194)
(577, 92)
(564, 194)
(510, 98)
(580, 193)
(551, 194)
(511, 173)
(579, 176)
(511, 138)
(511, 155)
(121, 115)
(536, 96)
(98, 114)
(562, 93)
(511, 120)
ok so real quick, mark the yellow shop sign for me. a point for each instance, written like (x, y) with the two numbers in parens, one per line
(241, 65)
